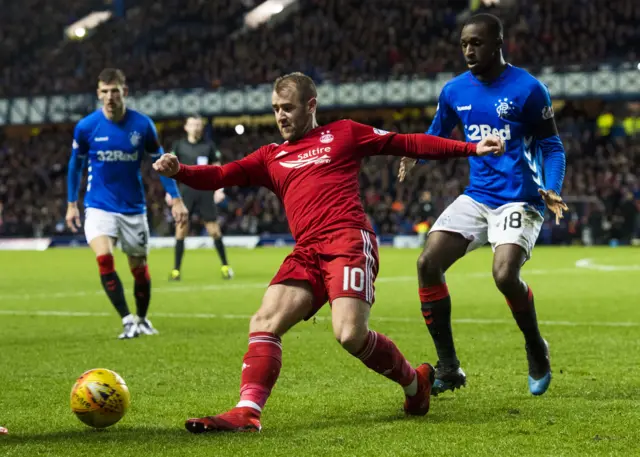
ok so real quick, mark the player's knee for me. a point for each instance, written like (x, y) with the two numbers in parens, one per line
(263, 322)
(106, 264)
(351, 334)
(351, 337)
(276, 323)
(283, 306)
(136, 262)
(181, 231)
(428, 267)
(272, 321)
(506, 278)
(214, 231)
(141, 274)
(102, 245)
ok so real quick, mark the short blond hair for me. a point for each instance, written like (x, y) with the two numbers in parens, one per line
(302, 83)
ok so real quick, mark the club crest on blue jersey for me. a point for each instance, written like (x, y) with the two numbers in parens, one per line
(504, 107)
(134, 137)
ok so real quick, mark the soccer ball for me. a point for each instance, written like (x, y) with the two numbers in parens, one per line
(100, 398)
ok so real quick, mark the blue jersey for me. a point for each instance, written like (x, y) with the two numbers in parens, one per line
(511, 107)
(114, 151)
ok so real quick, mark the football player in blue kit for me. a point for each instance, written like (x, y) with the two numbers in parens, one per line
(113, 140)
(506, 196)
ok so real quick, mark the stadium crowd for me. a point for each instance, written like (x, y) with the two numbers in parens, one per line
(601, 185)
(172, 43)
(196, 43)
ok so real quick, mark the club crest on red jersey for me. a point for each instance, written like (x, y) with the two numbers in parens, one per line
(326, 137)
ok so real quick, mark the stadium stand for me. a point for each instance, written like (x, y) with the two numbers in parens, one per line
(175, 44)
(607, 167)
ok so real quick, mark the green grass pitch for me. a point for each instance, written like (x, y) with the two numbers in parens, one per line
(55, 323)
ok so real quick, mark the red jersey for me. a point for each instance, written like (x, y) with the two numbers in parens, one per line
(316, 177)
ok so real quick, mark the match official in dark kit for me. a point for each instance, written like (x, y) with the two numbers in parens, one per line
(196, 150)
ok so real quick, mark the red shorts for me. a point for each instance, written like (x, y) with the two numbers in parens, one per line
(341, 264)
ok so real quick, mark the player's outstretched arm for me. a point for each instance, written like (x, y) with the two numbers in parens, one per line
(491, 145)
(419, 146)
(371, 141)
(249, 171)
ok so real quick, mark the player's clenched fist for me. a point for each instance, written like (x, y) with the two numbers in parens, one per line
(490, 145)
(167, 165)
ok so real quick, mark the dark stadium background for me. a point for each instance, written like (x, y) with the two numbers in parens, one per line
(48, 76)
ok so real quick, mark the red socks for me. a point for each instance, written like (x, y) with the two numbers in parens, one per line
(431, 296)
(433, 293)
(263, 360)
(260, 369)
(141, 274)
(111, 283)
(522, 304)
(142, 289)
(383, 356)
(105, 264)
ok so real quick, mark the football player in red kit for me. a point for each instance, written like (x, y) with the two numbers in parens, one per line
(315, 174)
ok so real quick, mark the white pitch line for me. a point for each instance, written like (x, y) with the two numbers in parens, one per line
(239, 285)
(581, 264)
(43, 313)
(590, 264)
(176, 289)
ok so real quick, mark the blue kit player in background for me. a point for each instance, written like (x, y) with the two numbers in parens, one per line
(505, 199)
(114, 140)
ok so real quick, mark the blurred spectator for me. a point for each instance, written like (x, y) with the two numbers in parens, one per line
(163, 44)
(197, 43)
(601, 184)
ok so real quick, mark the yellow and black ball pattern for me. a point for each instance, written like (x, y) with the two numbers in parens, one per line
(100, 398)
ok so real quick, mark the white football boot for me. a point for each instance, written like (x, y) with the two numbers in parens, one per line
(130, 329)
(145, 327)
